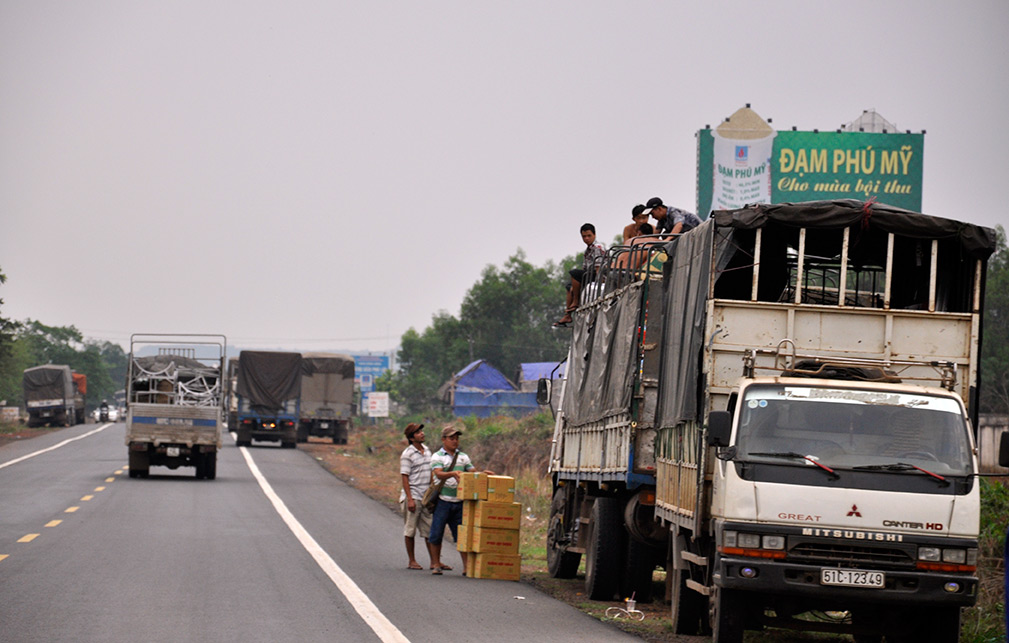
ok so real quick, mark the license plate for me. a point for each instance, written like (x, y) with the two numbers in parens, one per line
(173, 452)
(324, 425)
(852, 578)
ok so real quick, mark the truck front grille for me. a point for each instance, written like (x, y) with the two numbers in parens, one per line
(849, 555)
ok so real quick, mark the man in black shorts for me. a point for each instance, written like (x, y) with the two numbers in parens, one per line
(591, 261)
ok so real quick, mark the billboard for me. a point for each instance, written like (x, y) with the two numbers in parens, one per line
(751, 164)
(368, 368)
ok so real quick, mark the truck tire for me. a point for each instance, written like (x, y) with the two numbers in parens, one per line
(210, 467)
(638, 571)
(302, 432)
(689, 609)
(605, 550)
(200, 464)
(140, 464)
(938, 624)
(727, 616)
(560, 562)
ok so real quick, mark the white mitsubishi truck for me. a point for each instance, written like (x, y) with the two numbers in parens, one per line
(816, 458)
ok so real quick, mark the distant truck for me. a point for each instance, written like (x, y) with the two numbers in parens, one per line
(175, 402)
(267, 389)
(811, 440)
(54, 395)
(327, 396)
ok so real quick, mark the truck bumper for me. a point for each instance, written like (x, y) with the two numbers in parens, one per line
(784, 579)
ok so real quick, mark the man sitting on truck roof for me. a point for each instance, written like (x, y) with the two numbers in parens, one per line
(670, 221)
(635, 256)
(591, 261)
(640, 217)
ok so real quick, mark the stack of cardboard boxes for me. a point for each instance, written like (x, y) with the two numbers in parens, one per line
(490, 526)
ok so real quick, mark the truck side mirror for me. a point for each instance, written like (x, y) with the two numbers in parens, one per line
(1003, 450)
(543, 391)
(719, 428)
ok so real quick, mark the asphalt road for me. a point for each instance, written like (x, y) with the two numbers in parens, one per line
(89, 554)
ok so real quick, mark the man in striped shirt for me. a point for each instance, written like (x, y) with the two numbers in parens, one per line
(449, 508)
(415, 471)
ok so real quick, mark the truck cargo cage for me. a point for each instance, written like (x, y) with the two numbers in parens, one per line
(176, 375)
(624, 265)
(793, 364)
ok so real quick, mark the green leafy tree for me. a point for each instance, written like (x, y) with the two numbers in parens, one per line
(505, 319)
(509, 312)
(995, 345)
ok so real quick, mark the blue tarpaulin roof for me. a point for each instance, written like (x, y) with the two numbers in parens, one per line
(482, 376)
(512, 403)
(537, 370)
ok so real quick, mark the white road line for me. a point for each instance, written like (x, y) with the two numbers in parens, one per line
(55, 446)
(377, 621)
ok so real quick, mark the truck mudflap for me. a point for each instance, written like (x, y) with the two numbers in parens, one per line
(823, 587)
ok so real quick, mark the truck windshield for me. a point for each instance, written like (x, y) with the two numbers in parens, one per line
(854, 428)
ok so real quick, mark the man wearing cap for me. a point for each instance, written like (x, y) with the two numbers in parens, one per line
(671, 220)
(415, 471)
(449, 508)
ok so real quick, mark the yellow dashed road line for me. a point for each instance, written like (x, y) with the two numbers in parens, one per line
(53, 523)
(99, 488)
(70, 510)
(2, 556)
(110, 479)
(27, 538)
(86, 498)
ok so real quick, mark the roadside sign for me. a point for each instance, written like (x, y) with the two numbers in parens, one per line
(378, 404)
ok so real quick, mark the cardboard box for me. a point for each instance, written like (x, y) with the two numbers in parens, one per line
(472, 486)
(484, 540)
(465, 541)
(497, 566)
(497, 515)
(500, 489)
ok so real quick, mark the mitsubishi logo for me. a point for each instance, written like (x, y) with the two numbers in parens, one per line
(854, 512)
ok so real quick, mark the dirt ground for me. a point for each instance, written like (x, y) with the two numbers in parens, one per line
(16, 432)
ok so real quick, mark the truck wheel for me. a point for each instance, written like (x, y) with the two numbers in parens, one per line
(210, 467)
(302, 433)
(560, 562)
(638, 571)
(288, 445)
(727, 616)
(140, 466)
(688, 608)
(939, 624)
(200, 464)
(605, 548)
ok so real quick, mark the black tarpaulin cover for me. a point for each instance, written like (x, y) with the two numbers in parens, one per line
(166, 363)
(268, 378)
(312, 363)
(977, 242)
(686, 274)
(48, 382)
(600, 373)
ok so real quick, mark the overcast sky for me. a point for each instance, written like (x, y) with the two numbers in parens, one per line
(325, 175)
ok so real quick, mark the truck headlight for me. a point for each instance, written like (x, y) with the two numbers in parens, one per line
(774, 542)
(931, 554)
(958, 556)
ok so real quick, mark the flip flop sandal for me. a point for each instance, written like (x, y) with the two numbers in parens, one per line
(436, 571)
(446, 568)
